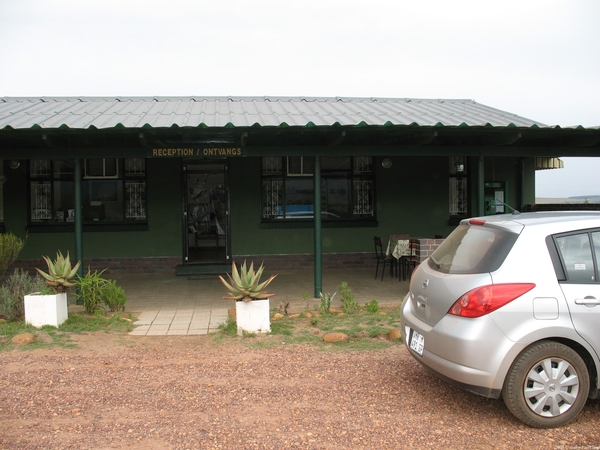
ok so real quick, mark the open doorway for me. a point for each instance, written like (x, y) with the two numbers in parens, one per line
(206, 212)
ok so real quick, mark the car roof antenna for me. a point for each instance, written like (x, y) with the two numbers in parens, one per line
(514, 211)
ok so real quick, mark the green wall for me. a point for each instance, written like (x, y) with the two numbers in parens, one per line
(411, 197)
(163, 237)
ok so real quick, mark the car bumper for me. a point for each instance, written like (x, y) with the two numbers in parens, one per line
(465, 352)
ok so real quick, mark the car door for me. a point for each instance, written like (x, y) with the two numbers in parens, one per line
(580, 253)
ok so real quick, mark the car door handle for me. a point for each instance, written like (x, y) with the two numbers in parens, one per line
(587, 300)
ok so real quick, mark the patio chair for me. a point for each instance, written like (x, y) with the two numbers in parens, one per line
(382, 258)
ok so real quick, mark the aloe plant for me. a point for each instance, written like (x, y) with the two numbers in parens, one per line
(245, 285)
(60, 273)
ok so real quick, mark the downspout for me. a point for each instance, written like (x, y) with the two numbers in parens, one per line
(317, 224)
(78, 223)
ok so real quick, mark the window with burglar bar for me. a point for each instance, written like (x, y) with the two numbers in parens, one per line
(113, 191)
(458, 187)
(347, 191)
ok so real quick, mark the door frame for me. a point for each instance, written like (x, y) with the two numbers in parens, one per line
(223, 253)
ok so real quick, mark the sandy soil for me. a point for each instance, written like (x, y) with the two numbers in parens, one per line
(191, 392)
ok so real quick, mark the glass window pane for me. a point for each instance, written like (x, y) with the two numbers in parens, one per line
(338, 198)
(576, 254)
(103, 201)
(299, 198)
(340, 164)
(63, 169)
(64, 200)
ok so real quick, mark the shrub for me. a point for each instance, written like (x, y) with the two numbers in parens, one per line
(349, 305)
(326, 299)
(114, 296)
(90, 289)
(372, 306)
(13, 291)
(10, 247)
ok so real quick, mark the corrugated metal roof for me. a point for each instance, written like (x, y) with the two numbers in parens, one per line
(161, 112)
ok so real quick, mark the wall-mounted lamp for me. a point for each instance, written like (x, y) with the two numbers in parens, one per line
(14, 163)
(386, 163)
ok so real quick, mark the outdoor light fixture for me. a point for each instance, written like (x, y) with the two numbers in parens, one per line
(14, 164)
(386, 163)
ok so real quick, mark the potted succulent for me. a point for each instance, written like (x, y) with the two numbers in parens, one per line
(251, 299)
(50, 308)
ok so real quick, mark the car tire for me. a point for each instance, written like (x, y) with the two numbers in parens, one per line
(532, 390)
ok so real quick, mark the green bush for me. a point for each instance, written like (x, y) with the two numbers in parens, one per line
(90, 288)
(10, 247)
(349, 305)
(326, 299)
(372, 306)
(114, 296)
(14, 289)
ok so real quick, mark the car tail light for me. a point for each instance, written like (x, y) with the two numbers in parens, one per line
(485, 299)
(476, 222)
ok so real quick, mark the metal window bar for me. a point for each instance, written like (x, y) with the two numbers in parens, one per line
(41, 203)
(135, 166)
(363, 197)
(135, 200)
(272, 199)
(458, 196)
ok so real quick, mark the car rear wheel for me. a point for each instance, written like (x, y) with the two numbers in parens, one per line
(547, 385)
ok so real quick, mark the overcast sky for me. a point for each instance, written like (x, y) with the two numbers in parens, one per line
(535, 58)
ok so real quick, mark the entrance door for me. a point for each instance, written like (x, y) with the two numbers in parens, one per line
(206, 212)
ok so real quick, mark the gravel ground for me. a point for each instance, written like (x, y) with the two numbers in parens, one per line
(193, 393)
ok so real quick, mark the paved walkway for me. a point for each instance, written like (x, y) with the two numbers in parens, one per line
(166, 304)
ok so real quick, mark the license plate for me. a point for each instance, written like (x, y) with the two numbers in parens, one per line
(417, 342)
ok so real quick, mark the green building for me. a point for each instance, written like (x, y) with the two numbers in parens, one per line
(184, 185)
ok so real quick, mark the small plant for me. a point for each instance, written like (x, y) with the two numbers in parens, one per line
(283, 308)
(326, 299)
(349, 305)
(90, 291)
(245, 285)
(12, 292)
(114, 296)
(372, 306)
(10, 247)
(60, 273)
(305, 298)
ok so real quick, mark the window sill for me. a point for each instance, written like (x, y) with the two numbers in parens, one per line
(87, 227)
(309, 223)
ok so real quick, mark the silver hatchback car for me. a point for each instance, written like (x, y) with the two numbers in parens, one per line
(509, 305)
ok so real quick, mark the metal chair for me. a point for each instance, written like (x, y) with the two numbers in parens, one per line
(383, 258)
(409, 262)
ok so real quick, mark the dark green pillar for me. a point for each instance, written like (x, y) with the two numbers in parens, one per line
(317, 215)
(480, 186)
(78, 222)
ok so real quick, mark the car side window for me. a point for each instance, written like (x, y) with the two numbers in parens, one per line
(576, 254)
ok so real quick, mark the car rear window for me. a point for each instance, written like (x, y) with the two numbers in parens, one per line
(473, 249)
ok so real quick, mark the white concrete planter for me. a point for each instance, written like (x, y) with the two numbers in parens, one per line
(253, 316)
(46, 309)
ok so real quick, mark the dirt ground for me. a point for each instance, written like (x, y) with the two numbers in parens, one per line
(193, 392)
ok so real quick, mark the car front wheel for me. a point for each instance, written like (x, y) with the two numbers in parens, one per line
(547, 385)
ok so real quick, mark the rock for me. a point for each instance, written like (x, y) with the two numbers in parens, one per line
(277, 316)
(294, 316)
(308, 314)
(23, 339)
(394, 334)
(335, 337)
